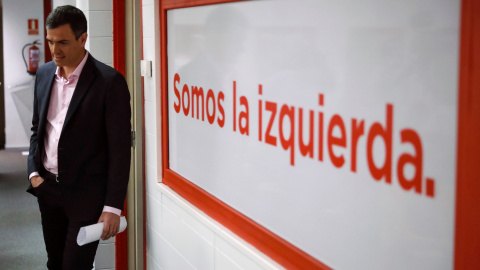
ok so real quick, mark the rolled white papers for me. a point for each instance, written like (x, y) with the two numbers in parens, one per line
(93, 232)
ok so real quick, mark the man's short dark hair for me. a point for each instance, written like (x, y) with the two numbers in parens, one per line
(67, 15)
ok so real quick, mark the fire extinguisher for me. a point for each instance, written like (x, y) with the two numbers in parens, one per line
(33, 57)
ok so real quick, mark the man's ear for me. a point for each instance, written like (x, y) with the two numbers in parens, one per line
(83, 38)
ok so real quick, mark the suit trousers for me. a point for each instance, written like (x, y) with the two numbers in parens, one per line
(63, 212)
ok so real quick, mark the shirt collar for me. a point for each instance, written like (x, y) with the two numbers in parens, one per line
(78, 70)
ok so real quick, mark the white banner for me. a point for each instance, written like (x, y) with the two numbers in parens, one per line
(331, 123)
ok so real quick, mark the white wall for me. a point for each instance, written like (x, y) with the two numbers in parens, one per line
(179, 236)
(56, 3)
(100, 28)
(18, 83)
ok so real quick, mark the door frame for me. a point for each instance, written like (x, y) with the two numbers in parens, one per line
(127, 54)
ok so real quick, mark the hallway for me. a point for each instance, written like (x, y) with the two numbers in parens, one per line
(21, 241)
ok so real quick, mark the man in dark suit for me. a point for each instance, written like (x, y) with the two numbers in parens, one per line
(79, 159)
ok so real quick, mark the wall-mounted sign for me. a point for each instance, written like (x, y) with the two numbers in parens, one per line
(330, 123)
(33, 26)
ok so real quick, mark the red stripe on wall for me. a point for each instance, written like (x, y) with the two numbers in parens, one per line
(121, 241)
(119, 36)
(47, 8)
(467, 232)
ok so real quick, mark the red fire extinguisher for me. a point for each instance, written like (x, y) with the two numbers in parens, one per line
(33, 57)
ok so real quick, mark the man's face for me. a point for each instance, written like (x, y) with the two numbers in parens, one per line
(66, 50)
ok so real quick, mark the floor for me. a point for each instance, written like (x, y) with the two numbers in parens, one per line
(21, 239)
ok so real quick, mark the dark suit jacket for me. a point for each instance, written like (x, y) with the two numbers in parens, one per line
(94, 145)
